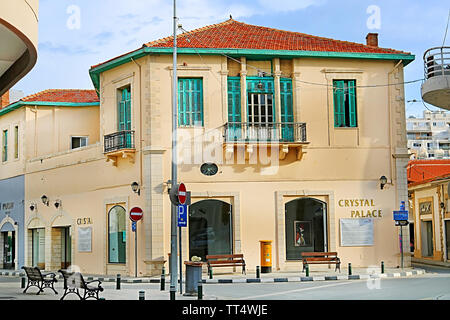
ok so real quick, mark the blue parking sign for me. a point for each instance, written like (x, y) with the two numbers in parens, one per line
(182, 215)
(133, 226)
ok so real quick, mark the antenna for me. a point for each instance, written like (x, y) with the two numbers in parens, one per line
(446, 29)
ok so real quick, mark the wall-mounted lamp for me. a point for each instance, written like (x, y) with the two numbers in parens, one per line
(57, 203)
(383, 181)
(44, 199)
(135, 187)
(32, 206)
(442, 205)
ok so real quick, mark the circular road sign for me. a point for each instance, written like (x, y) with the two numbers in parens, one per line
(136, 214)
(182, 193)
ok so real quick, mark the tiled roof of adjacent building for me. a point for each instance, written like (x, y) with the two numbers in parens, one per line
(233, 34)
(63, 95)
(424, 171)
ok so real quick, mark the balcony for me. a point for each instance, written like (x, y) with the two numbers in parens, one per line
(284, 135)
(119, 144)
(436, 88)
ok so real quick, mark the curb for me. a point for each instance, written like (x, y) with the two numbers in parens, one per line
(250, 280)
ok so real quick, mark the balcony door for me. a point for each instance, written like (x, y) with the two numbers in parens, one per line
(261, 110)
(124, 117)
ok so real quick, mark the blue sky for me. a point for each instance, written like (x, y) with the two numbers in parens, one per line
(69, 46)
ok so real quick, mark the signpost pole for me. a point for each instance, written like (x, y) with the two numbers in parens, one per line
(401, 244)
(173, 227)
(135, 251)
(181, 261)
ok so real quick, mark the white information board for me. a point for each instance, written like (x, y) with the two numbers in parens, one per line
(85, 239)
(356, 232)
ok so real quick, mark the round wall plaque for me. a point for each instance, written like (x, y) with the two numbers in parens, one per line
(209, 169)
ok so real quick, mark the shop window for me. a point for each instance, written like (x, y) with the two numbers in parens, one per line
(38, 248)
(210, 228)
(344, 97)
(305, 227)
(117, 235)
(190, 102)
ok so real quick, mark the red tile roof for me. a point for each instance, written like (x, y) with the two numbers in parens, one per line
(233, 34)
(424, 171)
(63, 95)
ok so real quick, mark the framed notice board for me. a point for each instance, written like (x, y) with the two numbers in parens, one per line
(356, 232)
(84, 239)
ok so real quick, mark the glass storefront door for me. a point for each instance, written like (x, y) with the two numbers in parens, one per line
(38, 248)
(9, 241)
(427, 238)
(66, 248)
(210, 228)
(447, 238)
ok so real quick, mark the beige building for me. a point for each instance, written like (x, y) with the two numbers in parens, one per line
(34, 129)
(282, 139)
(430, 211)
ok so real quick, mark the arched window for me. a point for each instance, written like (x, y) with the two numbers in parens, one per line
(117, 236)
(306, 227)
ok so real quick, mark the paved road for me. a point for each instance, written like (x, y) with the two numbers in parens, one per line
(431, 286)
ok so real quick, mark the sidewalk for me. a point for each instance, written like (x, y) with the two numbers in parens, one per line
(250, 277)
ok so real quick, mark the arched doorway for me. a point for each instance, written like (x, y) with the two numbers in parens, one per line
(305, 227)
(117, 242)
(7, 246)
(210, 228)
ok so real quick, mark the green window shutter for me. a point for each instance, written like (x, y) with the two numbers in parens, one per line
(190, 102)
(352, 103)
(234, 108)
(287, 112)
(339, 103)
(124, 110)
(234, 100)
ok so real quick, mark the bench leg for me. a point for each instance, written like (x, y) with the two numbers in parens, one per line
(243, 270)
(71, 290)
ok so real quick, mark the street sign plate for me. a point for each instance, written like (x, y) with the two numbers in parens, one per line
(401, 215)
(182, 215)
(136, 214)
(133, 226)
(182, 193)
(401, 223)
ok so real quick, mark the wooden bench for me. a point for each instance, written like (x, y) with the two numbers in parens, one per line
(39, 280)
(225, 260)
(321, 258)
(74, 281)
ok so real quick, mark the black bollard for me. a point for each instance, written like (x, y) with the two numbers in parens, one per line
(382, 266)
(200, 290)
(23, 282)
(118, 282)
(163, 280)
(258, 272)
(349, 269)
(307, 270)
(210, 273)
(141, 295)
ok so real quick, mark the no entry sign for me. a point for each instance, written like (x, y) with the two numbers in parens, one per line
(136, 214)
(182, 193)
